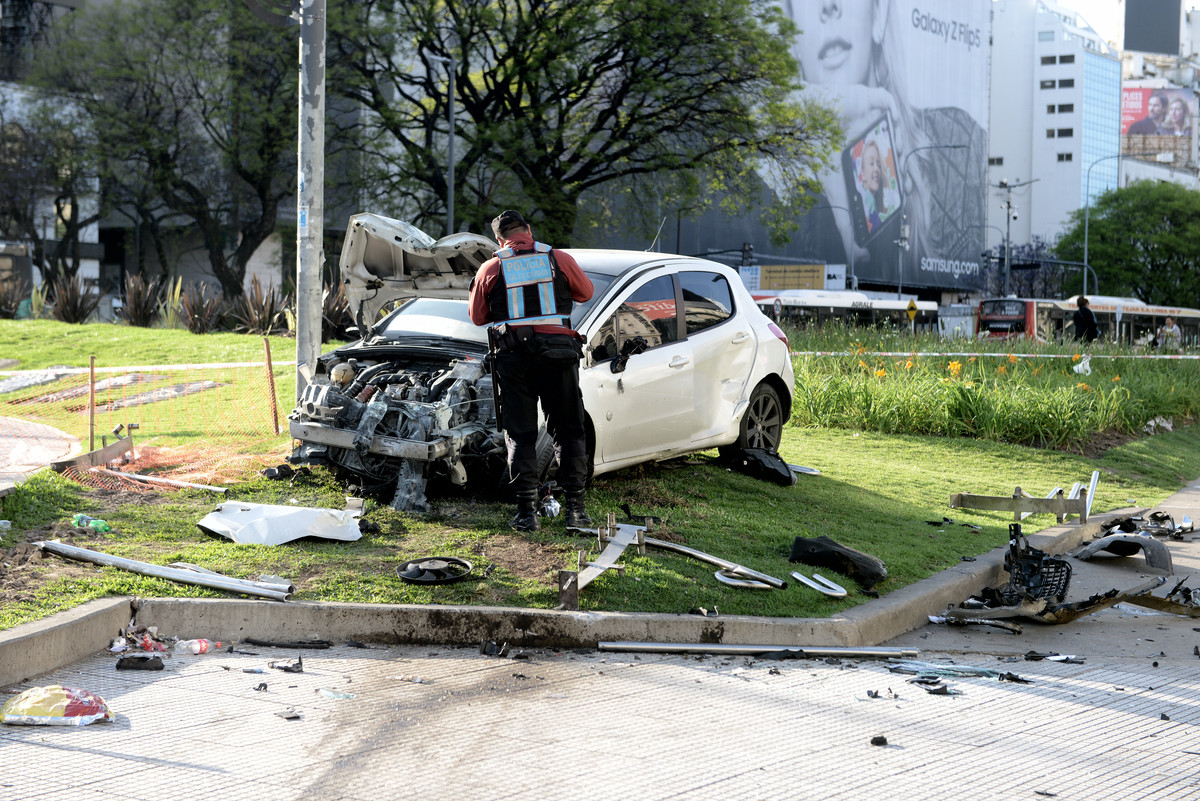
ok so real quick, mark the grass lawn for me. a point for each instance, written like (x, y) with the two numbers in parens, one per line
(876, 492)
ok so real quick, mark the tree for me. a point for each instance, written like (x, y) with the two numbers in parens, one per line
(44, 166)
(557, 98)
(1143, 241)
(192, 104)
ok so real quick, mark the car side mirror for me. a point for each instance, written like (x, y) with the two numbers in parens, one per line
(629, 348)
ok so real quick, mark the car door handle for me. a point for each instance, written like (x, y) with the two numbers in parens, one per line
(679, 361)
(739, 338)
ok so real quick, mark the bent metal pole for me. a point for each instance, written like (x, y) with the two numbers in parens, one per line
(213, 581)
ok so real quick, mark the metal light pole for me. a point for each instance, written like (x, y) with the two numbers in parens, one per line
(853, 277)
(902, 244)
(1087, 207)
(449, 62)
(1009, 216)
(310, 210)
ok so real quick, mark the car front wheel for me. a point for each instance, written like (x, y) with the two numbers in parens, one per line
(762, 424)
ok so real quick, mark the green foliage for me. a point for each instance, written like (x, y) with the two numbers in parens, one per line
(259, 311)
(12, 292)
(169, 304)
(201, 308)
(577, 96)
(142, 300)
(1035, 399)
(336, 317)
(73, 302)
(1143, 241)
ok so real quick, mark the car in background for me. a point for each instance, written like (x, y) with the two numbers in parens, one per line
(677, 359)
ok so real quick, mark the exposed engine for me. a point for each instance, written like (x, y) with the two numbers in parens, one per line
(402, 423)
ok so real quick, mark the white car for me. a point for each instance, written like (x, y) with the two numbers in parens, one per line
(677, 358)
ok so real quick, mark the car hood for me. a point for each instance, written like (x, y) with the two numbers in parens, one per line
(385, 260)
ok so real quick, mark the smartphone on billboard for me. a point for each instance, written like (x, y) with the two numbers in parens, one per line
(869, 167)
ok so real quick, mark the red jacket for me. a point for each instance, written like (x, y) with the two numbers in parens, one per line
(489, 272)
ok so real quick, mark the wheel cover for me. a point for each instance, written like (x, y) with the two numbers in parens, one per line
(764, 422)
(434, 570)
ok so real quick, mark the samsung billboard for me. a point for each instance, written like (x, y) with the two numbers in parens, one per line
(904, 202)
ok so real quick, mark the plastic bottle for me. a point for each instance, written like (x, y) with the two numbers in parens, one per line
(82, 521)
(197, 646)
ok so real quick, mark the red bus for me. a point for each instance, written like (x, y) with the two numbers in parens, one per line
(1124, 320)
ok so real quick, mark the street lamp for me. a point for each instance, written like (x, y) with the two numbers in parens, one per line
(449, 61)
(1087, 208)
(1009, 216)
(853, 277)
(902, 244)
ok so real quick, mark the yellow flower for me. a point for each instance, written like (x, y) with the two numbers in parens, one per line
(1083, 386)
(971, 359)
(880, 373)
(1116, 378)
(1037, 369)
(1012, 358)
(1075, 358)
(908, 364)
(862, 364)
(955, 367)
(1002, 369)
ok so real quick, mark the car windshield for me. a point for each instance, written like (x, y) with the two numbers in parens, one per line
(432, 317)
(450, 319)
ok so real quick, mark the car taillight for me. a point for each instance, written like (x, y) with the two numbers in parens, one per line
(777, 331)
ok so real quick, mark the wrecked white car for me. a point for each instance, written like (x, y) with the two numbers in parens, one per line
(677, 358)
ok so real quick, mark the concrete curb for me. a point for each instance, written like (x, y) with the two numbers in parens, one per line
(36, 648)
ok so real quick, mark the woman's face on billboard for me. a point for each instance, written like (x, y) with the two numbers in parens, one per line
(872, 167)
(835, 40)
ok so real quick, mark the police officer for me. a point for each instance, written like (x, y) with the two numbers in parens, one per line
(525, 294)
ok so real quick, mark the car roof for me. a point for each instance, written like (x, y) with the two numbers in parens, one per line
(615, 262)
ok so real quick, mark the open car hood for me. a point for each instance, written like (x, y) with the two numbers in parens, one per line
(385, 260)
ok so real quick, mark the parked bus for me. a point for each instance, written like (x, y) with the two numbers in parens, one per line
(1125, 320)
(806, 308)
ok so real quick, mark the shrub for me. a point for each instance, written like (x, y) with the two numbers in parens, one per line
(142, 299)
(336, 317)
(73, 302)
(258, 311)
(168, 304)
(201, 308)
(12, 292)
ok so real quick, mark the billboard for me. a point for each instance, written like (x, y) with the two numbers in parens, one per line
(1157, 112)
(904, 203)
(1152, 26)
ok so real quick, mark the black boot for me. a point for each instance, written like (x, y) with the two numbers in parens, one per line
(576, 516)
(523, 474)
(526, 518)
(572, 474)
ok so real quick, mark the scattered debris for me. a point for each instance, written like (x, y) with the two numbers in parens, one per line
(337, 695)
(289, 667)
(208, 579)
(821, 584)
(1156, 553)
(762, 464)
(266, 524)
(1077, 502)
(490, 648)
(879, 739)
(301, 644)
(140, 662)
(702, 612)
(434, 570)
(287, 714)
(824, 552)
(55, 705)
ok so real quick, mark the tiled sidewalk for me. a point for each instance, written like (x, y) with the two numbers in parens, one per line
(592, 725)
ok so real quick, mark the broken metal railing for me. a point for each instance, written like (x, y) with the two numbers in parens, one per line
(1077, 502)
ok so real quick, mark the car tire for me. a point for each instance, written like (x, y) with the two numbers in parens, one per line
(762, 424)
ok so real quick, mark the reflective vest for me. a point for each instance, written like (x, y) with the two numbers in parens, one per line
(530, 290)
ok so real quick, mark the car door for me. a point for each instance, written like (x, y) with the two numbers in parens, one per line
(644, 409)
(723, 349)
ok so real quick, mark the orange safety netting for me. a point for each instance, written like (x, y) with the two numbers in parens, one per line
(202, 423)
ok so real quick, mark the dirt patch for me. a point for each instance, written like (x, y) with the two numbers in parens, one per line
(1095, 445)
(527, 560)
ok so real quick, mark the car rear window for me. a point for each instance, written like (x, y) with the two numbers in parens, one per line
(707, 299)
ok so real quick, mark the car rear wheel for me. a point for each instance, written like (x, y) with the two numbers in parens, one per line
(762, 424)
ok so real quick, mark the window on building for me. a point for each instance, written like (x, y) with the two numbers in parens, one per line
(1050, 109)
(1065, 132)
(1064, 157)
(1049, 133)
(1045, 36)
(1068, 59)
(996, 161)
(1049, 59)
(1048, 84)
(1066, 108)
(1066, 83)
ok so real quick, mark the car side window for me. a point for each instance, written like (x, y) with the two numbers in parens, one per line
(707, 299)
(648, 312)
